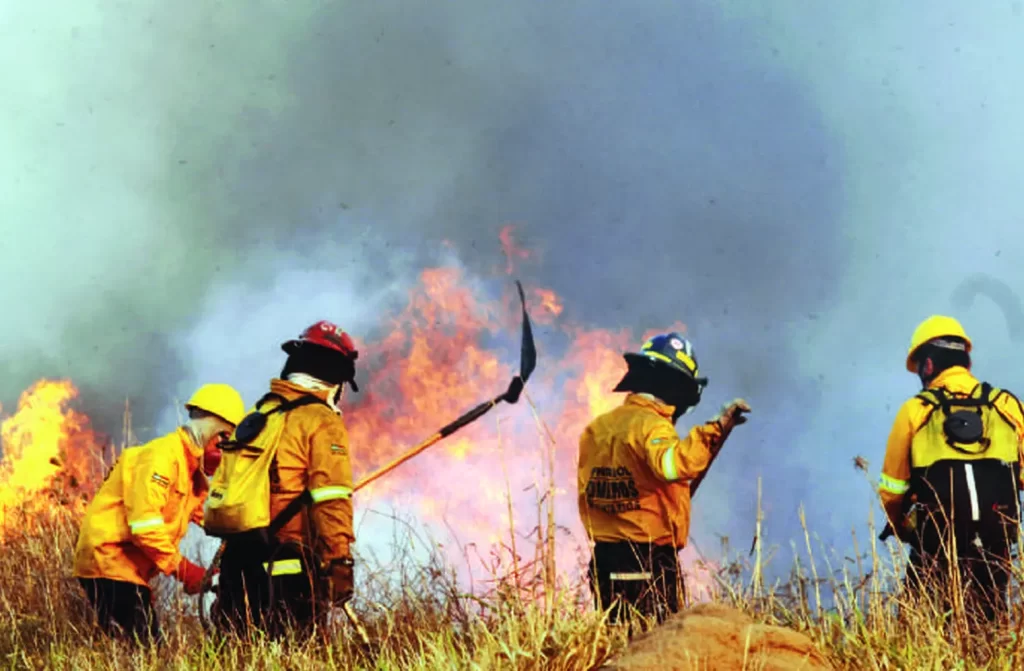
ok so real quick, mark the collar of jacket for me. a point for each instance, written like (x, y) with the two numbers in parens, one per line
(291, 389)
(651, 403)
(309, 382)
(957, 375)
(192, 449)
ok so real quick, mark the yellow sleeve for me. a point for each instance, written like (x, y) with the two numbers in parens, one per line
(894, 481)
(144, 501)
(1010, 406)
(330, 485)
(676, 459)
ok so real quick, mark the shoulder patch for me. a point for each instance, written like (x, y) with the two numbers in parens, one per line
(338, 449)
(657, 441)
(161, 480)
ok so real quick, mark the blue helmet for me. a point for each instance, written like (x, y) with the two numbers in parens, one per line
(667, 366)
(671, 349)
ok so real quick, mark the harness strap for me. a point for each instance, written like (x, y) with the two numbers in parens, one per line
(286, 406)
(289, 511)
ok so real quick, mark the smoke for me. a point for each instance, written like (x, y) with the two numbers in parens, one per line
(800, 185)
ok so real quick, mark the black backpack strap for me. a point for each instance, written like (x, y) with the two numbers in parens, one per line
(286, 406)
(268, 396)
(933, 397)
(289, 511)
(307, 399)
(940, 397)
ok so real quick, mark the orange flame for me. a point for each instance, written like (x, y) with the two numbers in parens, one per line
(449, 350)
(47, 450)
(455, 344)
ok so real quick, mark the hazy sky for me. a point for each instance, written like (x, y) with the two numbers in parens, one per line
(800, 184)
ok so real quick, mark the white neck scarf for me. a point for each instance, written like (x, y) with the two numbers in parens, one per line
(310, 382)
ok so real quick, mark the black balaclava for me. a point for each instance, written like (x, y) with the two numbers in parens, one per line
(942, 358)
(672, 386)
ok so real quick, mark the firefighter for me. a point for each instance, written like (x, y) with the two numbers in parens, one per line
(292, 579)
(950, 480)
(634, 475)
(132, 528)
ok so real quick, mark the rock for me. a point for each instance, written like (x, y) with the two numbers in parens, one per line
(713, 637)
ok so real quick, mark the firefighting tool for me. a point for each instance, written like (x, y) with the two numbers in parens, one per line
(527, 363)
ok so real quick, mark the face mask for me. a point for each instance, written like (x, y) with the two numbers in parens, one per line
(212, 453)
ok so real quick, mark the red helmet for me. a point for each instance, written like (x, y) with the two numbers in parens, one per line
(324, 334)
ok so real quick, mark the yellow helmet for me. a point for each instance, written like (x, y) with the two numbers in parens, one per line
(936, 326)
(221, 400)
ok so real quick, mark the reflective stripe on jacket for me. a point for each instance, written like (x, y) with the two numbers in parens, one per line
(635, 470)
(133, 526)
(313, 454)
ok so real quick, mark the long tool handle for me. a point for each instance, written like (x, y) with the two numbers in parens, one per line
(448, 430)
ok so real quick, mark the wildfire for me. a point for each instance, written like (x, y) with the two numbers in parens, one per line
(455, 345)
(449, 350)
(47, 451)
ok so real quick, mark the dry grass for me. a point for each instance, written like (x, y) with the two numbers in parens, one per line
(421, 618)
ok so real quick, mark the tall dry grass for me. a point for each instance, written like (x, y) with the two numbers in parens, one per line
(420, 616)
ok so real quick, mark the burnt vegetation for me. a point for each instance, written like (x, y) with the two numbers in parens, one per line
(418, 614)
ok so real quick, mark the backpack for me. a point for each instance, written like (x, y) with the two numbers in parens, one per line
(965, 428)
(965, 459)
(238, 505)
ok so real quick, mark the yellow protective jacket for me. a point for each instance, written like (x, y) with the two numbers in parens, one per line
(313, 453)
(132, 528)
(634, 473)
(909, 447)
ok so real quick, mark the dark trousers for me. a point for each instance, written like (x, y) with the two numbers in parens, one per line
(982, 564)
(645, 577)
(248, 598)
(124, 609)
(967, 515)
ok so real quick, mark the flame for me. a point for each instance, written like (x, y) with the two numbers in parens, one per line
(449, 350)
(453, 346)
(47, 449)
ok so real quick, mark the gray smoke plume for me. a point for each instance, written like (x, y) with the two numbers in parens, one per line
(800, 185)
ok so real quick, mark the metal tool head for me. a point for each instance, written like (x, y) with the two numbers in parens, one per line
(527, 354)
